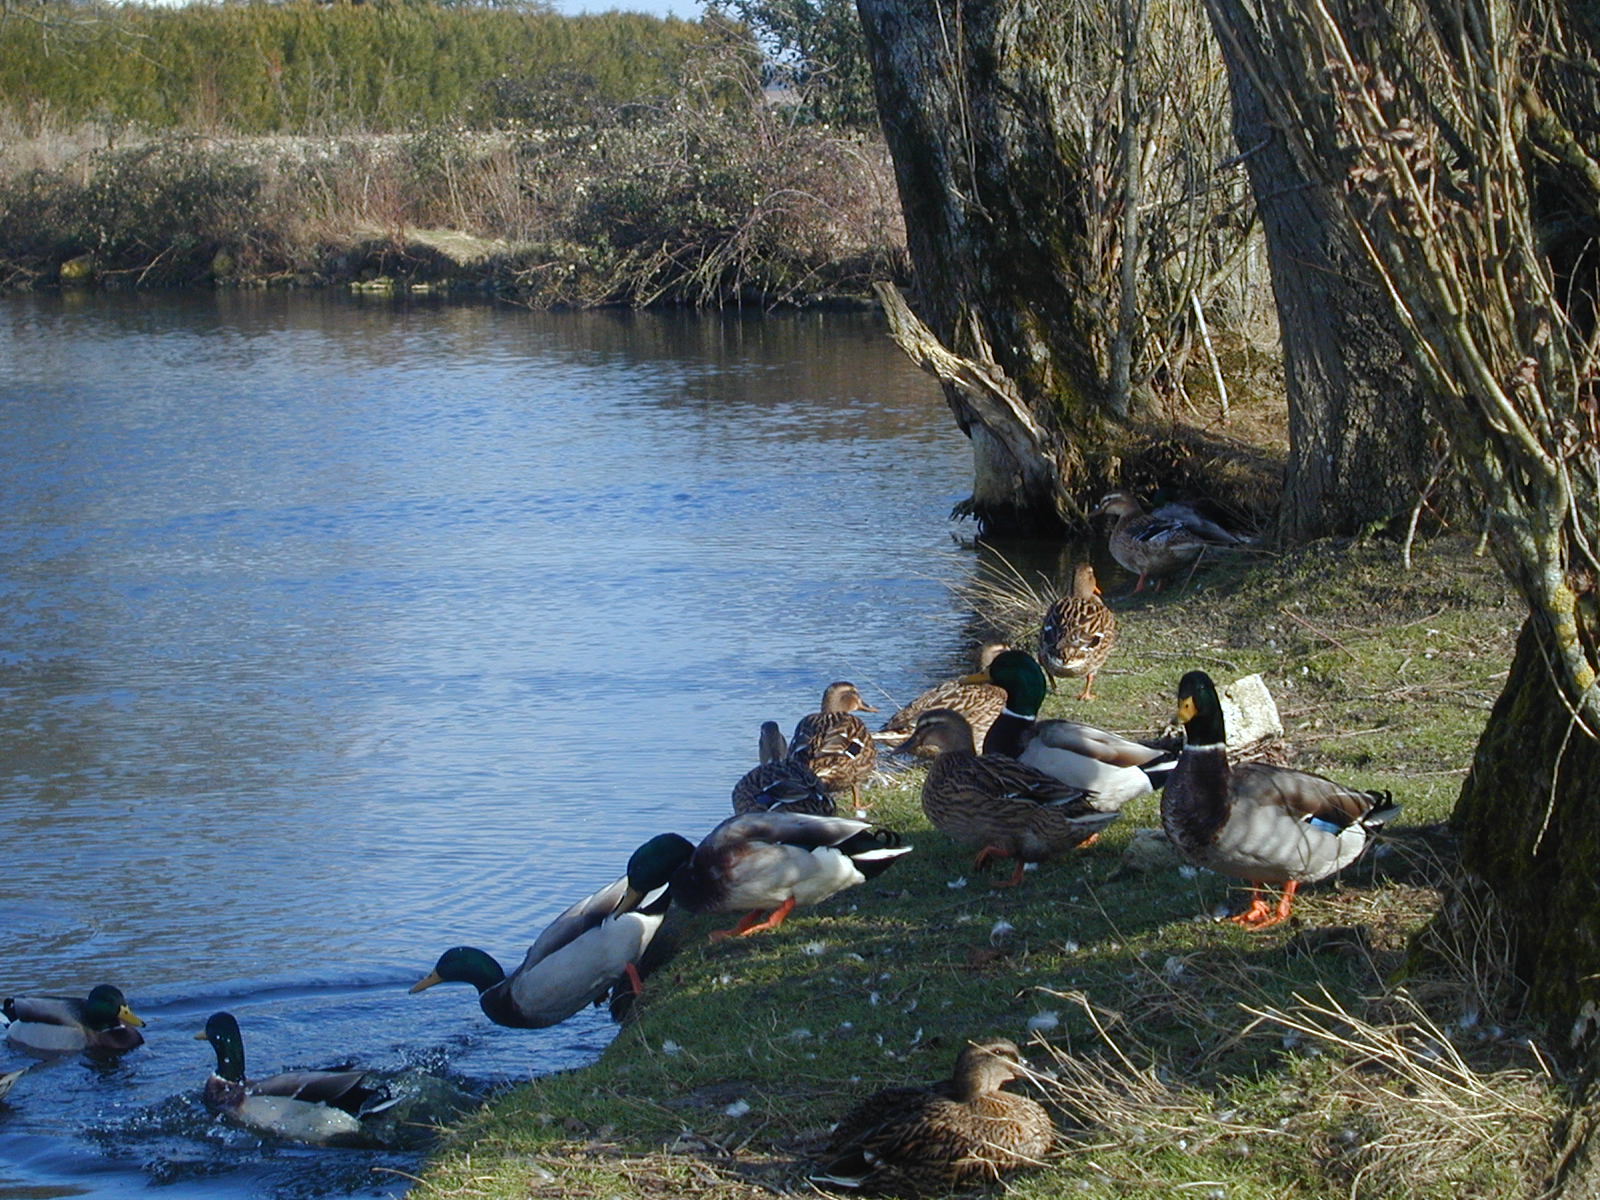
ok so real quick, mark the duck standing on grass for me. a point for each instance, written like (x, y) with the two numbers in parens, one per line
(980, 703)
(771, 862)
(1112, 769)
(600, 944)
(101, 1021)
(1258, 822)
(1078, 634)
(779, 782)
(835, 743)
(1153, 545)
(1006, 808)
(952, 1134)
(320, 1107)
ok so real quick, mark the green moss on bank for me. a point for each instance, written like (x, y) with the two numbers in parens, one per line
(1182, 1061)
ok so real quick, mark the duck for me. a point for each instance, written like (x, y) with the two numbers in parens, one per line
(835, 743)
(1255, 821)
(101, 1021)
(1078, 634)
(779, 781)
(765, 864)
(320, 1107)
(8, 1080)
(1150, 546)
(599, 945)
(1111, 768)
(980, 703)
(957, 1132)
(1005, 807)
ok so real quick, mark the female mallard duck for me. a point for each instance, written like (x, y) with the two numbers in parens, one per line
(598, 944)
(835, 743)
(1112, 769)
(952, 1134)
(320, 1107)
(780, 783)
(1006, 808)
(1258, 822)
(1150, 546)
(769, 862)
(979, 703)
(64, 1024)
(1078, 634)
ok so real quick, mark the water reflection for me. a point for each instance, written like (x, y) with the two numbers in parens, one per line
(333, 634)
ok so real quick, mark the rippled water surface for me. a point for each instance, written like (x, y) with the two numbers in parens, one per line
(333, 634)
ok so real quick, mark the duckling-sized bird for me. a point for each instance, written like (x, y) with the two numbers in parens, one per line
(593, 947)
(979, 703)
(835, 743)
(1005, 807)
(1112, 769)
(957, 1132)
(780, 783)
(102, 1021)
(1262, 823)
(320, 1107)
(1078, 634)
(1150, 546)
(769, 862)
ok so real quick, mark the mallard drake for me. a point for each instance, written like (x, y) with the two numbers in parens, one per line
(979, 703)
(769, 862)
(1112, 769)
(102, 1021)
(780, 783)
(1258, 822)
(1006, 808)
(951, 1134)
(320, 1107)
(596, 945)
(835, 743)
(1150, 546)
(1078, 634)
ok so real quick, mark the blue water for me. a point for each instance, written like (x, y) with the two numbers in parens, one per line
(334, 633)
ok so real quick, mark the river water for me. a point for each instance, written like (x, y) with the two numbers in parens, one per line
(333, 634)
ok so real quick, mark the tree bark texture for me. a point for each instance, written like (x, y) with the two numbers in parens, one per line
(1529, 827)
(994, 227)
(1360, 444)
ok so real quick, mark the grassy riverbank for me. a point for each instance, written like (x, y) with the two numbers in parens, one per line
(1336, 1056)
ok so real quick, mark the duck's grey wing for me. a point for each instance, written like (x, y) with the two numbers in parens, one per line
(583, 916)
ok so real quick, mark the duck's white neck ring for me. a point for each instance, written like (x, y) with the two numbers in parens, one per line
(1006, 712)
(1208, 746)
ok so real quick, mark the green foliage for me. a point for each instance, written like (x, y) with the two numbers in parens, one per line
(816, 47)
(299, 66)
(160, 211)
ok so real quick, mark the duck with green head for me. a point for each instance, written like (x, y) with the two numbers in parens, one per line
(599, 944)
(1112, 769)
(321, 1107)
(101, 1021)
(1255, 821)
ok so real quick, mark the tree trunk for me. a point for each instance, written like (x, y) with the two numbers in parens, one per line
(994, 226)
(1360, 448)
(1529, 827)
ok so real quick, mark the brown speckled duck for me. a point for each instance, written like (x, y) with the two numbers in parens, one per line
(1255, 821)
(957, 1132)
(780, 783)
(1078, 633)
(835, 743)
(1006, 808)
(979, 703)
(1151, 546)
